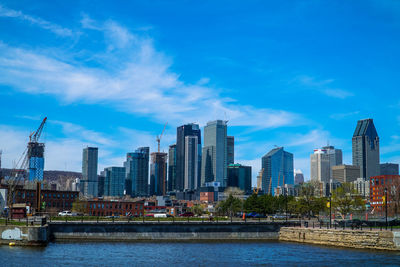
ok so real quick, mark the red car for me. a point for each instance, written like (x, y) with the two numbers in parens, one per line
(187, 214)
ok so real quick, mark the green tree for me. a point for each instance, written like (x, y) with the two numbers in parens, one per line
(230, 206)
(345, 200)
(197, 209)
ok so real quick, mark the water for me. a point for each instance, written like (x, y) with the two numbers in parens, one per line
(193, 254)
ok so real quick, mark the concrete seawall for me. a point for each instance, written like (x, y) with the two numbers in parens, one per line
(24, 235)
(163, 231)
(382, 240)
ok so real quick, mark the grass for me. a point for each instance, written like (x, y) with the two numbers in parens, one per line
(12, 222)
(125, 219)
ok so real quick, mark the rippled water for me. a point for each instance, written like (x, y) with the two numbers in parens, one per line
(192, 254)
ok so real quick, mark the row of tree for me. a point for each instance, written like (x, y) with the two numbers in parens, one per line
(344, 200)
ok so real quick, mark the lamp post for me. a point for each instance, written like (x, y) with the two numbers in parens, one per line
(330, 210)
(386, 207)
(286, 204)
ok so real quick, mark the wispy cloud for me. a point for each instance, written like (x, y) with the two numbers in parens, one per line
(11, 13)
(132, 76)
(323, 86)
(340, 116)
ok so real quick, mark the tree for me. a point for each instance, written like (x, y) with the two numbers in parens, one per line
(394, 197)
(197, 209)
(230, 206)
(79, 205)
(345, 200)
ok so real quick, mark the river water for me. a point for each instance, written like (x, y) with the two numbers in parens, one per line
(193, 254)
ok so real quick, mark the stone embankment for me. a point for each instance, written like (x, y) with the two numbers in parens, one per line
(364, 239)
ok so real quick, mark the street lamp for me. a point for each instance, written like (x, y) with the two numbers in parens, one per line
(386, 207)
(330, 210)
(286, 203)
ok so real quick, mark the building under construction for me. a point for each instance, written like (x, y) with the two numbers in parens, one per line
(36, 155)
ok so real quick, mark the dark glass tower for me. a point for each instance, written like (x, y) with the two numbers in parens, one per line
(365, 144)
(172, 167)
(137, 172)
(183, 131)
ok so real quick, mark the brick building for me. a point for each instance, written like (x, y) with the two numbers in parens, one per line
(115, 208)
(377, 191)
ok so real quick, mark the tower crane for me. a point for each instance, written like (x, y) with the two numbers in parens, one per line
(159, 137)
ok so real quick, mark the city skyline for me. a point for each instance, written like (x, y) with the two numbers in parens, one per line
(272, 93)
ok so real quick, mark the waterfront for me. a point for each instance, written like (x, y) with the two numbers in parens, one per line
(192, 254)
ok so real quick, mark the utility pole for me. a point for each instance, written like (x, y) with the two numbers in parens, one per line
(386, 207)
(330, 210)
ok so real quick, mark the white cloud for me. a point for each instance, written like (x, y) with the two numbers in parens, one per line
(10, 13)
(340, 116)
(322, 86)
(132, 76)
(338, 93)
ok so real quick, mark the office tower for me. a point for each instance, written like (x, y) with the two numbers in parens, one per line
(277, 168)
(239, 176)
(320, 166)
(345, 173)
(335, 157)
(183, 131)
(191, 162)
(89, 180)
(137, 172)
(1, 173)
(172, 167)
(36, 161)
(389, 169)
(298, 177)
(365, 145)
(100, 188)
(214, 165)
(158, 173)
(114, 181)
(230, 143)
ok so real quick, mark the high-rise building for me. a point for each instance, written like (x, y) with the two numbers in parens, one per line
(345, 173)
(137, 172)
(183, 131)
(89, 182)
(320, 166)
(365, 146)
(100, 188)
(322, 162)
(114, 181)
(277, 168)
(239, 176)
(298, 177)
(389, 169)
(172, 167)
(191, 162)
(158, 174)
(230, 143)
(214, 165)
(36, 161)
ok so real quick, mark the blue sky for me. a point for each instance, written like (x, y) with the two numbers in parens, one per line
(296, 74)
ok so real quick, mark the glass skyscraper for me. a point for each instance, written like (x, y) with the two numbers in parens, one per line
(137, 172)
(183, 131)
(88, 183)
(365, 146)
(114, 181)
(214, 164)
(277, 170)
(158, 174)
(172, 167)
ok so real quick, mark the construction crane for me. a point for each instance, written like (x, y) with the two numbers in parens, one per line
(159, 137)
(33, 150)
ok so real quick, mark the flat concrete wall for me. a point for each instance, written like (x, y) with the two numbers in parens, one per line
(162, 231)
(24, 235)
(384, 240)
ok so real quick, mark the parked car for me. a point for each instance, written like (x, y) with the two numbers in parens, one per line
(260, 216)
(279, 216)
(351, 223)
(187, 214)
(160, 215)
(251, 214)
(66, 213)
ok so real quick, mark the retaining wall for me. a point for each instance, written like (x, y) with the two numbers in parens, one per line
(24, 235)
(162, 231)
(384, 240)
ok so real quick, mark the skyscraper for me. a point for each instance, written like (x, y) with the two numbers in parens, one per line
(191, 162)
(230, 143)
(389, 169)
(239, 176)
(298, 177)
(322, 162)
(158, 174)
(137, 172)
(214, 165)
(277, 168)
(114, 181)
(172, 167)
(183, 131)
(365, 146)
(89, 186)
